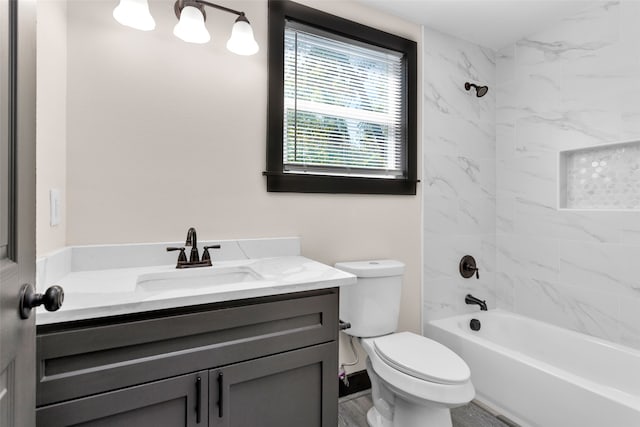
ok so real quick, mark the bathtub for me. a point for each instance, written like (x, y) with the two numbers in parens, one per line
(541, 375)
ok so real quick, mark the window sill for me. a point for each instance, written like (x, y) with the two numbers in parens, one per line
(298, 183)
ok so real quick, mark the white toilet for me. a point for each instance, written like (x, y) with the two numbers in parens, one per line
(414, 380)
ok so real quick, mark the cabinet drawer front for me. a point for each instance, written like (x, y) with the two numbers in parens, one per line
(83, 361)
(168, 403)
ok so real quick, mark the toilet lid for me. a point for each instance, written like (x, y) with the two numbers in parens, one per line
(422, 358)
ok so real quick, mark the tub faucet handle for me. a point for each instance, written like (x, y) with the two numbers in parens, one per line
(468, 267)
(477, 270)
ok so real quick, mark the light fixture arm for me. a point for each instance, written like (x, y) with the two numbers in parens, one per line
(226, 9)
(199, 4)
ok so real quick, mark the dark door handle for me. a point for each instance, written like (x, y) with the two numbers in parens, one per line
(51, 299)
(220, 394)
(198, 399)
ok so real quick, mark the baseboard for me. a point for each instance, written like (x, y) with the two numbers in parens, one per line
(485, 407)
(358, 381)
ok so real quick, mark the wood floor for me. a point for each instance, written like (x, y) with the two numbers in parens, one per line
(353, 409)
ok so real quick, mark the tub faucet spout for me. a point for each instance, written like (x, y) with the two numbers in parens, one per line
(470, 299)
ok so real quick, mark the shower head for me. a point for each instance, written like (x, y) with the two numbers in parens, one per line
(480, 90)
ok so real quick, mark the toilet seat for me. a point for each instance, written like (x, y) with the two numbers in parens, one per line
(414, 388)
(422, 358)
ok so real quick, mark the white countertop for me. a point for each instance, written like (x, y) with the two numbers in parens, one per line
(99, 293)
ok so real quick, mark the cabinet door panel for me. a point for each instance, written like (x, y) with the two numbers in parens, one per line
(292, 389)
(164, 414)
(168, 403)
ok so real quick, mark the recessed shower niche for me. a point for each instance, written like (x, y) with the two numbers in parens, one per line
(605, 177)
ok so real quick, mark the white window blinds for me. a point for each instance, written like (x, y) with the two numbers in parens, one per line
(343, 106)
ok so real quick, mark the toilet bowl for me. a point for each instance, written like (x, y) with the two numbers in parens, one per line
(425, 378)
(415, 380)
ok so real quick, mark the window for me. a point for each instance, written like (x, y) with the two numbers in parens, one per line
(342, 105)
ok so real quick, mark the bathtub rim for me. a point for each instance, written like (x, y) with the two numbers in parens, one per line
(450, 325)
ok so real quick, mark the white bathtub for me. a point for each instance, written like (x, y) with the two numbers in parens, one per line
(542, 375)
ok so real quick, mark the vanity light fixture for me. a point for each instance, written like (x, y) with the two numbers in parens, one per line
(134, 14)
(190, 27)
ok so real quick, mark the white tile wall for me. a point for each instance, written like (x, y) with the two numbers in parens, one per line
(490, 179)
(459, 179)
(572, 86)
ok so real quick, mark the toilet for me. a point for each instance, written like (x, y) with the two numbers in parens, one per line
(414, 380)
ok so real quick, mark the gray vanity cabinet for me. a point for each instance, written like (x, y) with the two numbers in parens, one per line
(260, 362)
(167, 403)
(287, 389)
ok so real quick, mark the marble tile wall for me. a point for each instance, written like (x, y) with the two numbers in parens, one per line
(458, 178)
(574, 85)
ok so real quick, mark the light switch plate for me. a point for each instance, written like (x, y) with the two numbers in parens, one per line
(54, 207)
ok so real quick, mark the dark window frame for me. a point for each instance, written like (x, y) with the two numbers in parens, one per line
(277, 179)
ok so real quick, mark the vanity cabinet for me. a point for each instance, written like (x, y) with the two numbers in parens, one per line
(267, 361)
(293, 382)
(174, 402)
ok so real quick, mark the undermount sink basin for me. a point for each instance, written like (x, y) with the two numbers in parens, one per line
(196, 278)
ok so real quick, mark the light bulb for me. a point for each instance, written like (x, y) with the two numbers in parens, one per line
(134, 14)
(191, 27)
(241, 41)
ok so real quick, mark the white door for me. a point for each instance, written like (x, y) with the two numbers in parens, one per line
(17, 209)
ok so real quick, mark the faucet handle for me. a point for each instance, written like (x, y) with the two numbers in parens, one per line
(182, 257)
(468, 267)
(205, 255)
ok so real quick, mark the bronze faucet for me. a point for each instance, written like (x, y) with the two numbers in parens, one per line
(194, 256)
(192, 240)
(470, 299)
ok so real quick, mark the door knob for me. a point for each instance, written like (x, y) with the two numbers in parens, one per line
(51, 299)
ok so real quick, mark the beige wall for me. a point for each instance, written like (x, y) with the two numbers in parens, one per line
(163, 135)
(51, 151)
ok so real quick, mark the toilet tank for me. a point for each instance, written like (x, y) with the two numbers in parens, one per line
(372, 305)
